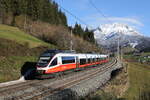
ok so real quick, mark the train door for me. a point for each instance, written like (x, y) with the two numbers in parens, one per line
(77, 62)
(54, 63)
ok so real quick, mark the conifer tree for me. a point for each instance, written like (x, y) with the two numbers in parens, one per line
(44, 10)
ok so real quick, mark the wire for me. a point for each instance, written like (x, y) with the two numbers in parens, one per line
(75, 16)
(99, 11)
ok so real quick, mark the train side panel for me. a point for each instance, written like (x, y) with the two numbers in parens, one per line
(62, 62)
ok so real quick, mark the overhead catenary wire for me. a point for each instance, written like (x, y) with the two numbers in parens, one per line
(73, 15)
(77, 18)
(59, 5)
(100, 12)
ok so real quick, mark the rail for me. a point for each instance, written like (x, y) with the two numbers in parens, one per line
(43, 88)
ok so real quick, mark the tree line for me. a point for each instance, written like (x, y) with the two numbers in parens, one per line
(86, 34)
(44, 10)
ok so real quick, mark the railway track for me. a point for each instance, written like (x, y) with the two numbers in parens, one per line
(37, 89)
(20, 85)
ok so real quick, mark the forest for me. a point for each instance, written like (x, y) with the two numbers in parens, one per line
(44, 10)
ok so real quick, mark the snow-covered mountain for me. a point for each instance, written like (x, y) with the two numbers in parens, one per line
(107, 29)
(107, 35)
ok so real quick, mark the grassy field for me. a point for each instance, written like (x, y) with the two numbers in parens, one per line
(13, 33)
(17, 48)
(139, 78)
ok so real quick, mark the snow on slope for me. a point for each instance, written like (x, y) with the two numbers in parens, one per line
(117, 28)
(108, 34)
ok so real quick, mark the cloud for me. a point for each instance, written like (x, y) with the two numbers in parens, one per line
(95, 21)
(126, 20)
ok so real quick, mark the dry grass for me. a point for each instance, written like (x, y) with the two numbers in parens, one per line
(139, 75)
(119, 84)
(114, 89)
(57, 35)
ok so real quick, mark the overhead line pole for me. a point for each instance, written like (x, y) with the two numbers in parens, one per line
(71, 42)
(100, 12)
(118, 49)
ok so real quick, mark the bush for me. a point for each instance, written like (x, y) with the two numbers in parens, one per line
(57, 35)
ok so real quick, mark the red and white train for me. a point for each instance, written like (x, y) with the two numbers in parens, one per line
(54, 61)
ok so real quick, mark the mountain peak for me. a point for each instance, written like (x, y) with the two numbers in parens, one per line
(108, 35)
(118, 28)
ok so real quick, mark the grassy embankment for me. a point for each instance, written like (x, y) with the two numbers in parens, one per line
(139, 79)
(17, 48)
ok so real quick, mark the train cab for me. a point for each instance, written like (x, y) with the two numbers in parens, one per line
(53, 61)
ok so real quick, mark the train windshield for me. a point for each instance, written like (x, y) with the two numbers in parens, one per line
(45, 59)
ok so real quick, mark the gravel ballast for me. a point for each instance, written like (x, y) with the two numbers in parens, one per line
(83, 88)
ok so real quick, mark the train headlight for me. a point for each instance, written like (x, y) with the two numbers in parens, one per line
(40, 71)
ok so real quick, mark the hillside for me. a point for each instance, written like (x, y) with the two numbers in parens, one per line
(17, 49)
(56, 34)
(14, 33)
(45, 20)
(35, 26)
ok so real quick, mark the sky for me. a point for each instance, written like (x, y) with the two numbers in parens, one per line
(135, 13)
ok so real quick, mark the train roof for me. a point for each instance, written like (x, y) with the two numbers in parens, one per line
(72, 53)
(59, 51)
(82, 55)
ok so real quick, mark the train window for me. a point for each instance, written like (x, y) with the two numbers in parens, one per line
(66, 60)
(54, 62)
(93, 60)
(97, 59)
(89, 60)
(82, 61)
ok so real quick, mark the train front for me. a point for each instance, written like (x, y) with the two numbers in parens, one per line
(43, 63)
